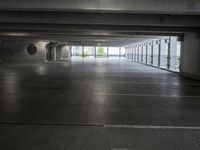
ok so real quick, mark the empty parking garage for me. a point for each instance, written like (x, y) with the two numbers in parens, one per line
(99, 75)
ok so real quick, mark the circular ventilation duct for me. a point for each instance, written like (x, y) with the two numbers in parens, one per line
(31, 49)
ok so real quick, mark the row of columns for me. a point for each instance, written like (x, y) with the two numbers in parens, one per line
(54, 51)
(160, 53)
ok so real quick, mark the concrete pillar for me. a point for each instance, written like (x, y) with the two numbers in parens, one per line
(149, 53)
(69, 52)
(173, 52)
(65, 52)
(128, 52)
(95, 52)
(107, 52)
(51, 51)
(70, 49)
(152, 45)
(83, 51)
(190, 55)
(120, 52)
(138, 53)
(132, 53)
(168, 54)
(135, 53)
(125, 52)
(159, 52)
(54, 51)
(155, 52)
(146, 53)
(142, 52)
(58, 52)
(163, 51)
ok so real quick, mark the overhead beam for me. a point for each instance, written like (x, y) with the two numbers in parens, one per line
(48, 17)
(94, 29)
(137, 6)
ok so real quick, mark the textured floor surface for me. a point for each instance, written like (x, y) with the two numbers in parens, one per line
(68, 105)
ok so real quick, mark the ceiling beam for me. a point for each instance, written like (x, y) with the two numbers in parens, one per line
(136, 6)
(48, 17)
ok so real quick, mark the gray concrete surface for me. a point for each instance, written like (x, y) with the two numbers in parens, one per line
(142, 6)
(15, 51)
(23, 137)
(190, 58)
(67, 105)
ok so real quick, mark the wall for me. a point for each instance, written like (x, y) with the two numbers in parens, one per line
(65, 52)
(190, 57)
(15, 50)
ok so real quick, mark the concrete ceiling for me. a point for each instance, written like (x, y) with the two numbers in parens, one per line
(89, 22)
(132, 6)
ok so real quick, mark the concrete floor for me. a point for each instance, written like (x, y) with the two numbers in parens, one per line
(80, 105)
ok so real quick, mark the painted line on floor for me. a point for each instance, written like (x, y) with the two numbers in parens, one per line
(103, 125)
(156, 83)
(150, 127)
(52, 124)
(186, 96)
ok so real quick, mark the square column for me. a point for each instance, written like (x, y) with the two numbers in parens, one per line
(173, 53)
(83, 55)
(120, 51)
(163, 52)
(107, 52)
(95, 52)
(190, 55)
(152, 46)
(146, 61)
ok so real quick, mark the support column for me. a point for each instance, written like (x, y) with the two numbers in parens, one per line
(95, 52)
(120, 51)
(159, 52)
(83, 55)
(125, 52)
(168, 55)
(107, 52)
(70, 49)
(190, 55)
(51, 51)
(146, 53)
(132, 53)
(173, 52)
(54, 50)
(152, 45)
(142, 53)
(163, 52)
(138, 53)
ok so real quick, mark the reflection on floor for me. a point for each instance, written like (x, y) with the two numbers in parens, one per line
(64, 102)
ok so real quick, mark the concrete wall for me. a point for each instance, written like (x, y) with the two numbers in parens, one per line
(58, 52)
(190, 57)
(15, 50)
(65, 52)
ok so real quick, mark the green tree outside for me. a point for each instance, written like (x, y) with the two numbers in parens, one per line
(100, 51)
(84, 53)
